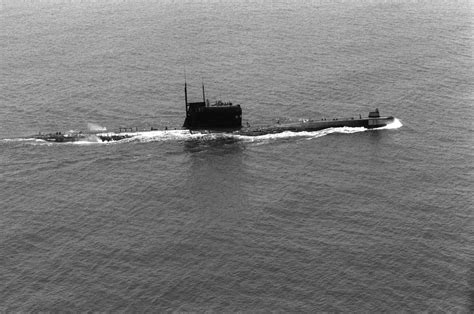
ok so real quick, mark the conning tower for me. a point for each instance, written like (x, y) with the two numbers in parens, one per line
(220, 115)
(374, 120)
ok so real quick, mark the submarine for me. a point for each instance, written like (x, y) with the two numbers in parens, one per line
(224, 117)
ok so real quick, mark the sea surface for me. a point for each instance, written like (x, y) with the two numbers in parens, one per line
(339, 220)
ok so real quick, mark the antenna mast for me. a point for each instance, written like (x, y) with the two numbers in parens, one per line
(203, 93)
(185, 91)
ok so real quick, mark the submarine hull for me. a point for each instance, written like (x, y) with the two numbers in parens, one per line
(60, 138)
(309, 126)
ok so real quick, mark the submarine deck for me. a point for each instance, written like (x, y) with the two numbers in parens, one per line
(311, 125)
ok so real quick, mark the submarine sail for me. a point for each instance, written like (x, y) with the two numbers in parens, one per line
(220, 115)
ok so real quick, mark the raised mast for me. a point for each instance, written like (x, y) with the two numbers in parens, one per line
(185, 91)
(203, 94)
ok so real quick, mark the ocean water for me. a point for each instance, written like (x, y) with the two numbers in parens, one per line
(339, 220)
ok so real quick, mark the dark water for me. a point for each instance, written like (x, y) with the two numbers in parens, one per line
(338, 220)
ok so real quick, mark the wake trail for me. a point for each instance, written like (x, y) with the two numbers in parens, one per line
(187, 135)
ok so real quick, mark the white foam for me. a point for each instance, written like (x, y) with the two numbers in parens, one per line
(90, 139)
(18, 139)
(396, 124)
(167, 135)
(308, 134)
